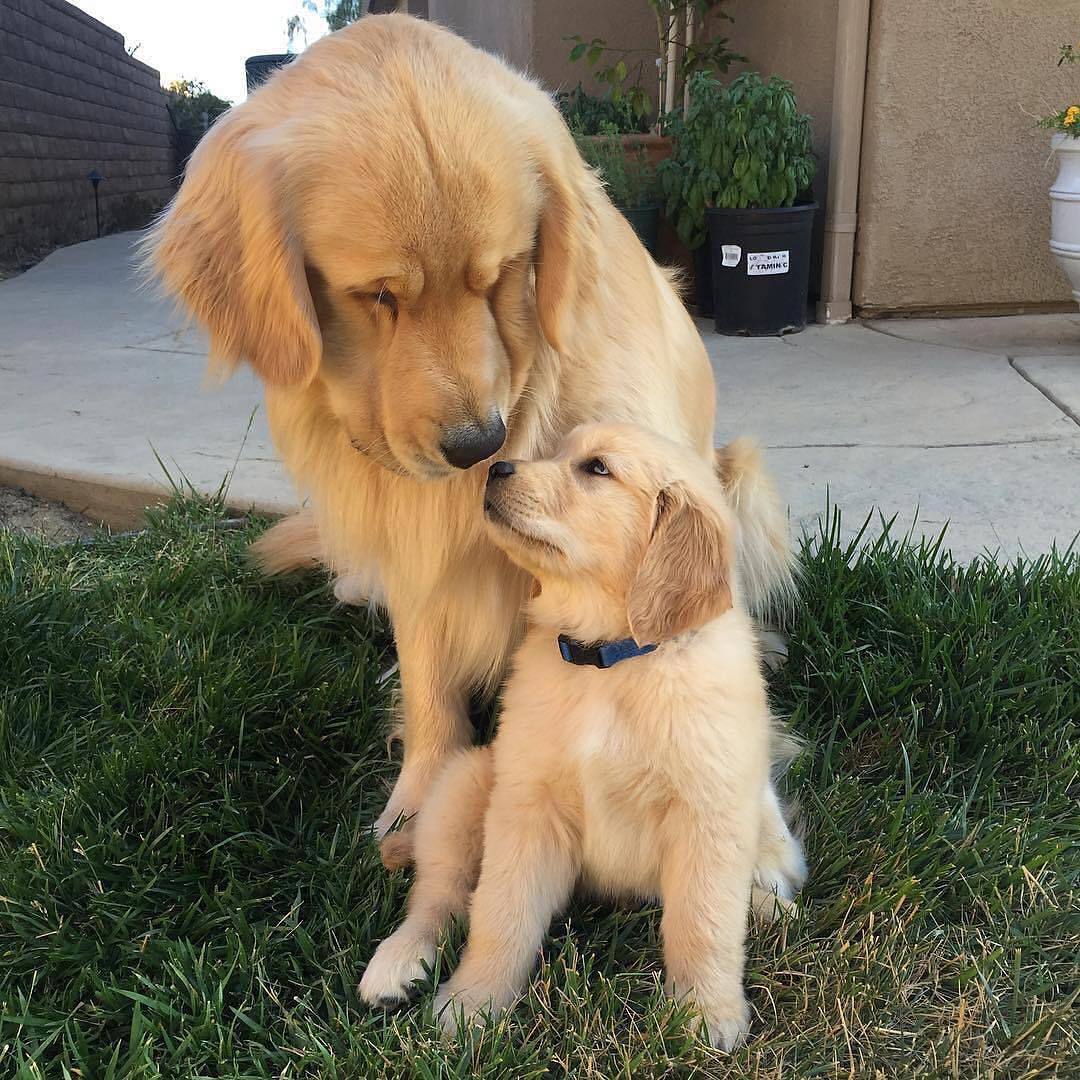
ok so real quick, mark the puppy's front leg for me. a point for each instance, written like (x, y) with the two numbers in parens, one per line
(528, 872)
(436, 721)
(449, 848)
(706, 877)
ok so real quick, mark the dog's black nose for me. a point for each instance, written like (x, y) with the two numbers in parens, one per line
(501, 469)
(464, 446)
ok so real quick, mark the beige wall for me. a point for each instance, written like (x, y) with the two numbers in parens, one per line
(504, 27)
(953, 205)
(627, 24)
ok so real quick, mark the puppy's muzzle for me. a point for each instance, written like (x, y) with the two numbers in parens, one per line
(496, 487)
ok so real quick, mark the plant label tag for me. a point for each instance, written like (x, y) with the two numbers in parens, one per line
(760, 263)
(732, 254)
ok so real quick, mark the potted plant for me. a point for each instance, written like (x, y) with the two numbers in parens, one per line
(1065, 191)
(740, 177)
(588, 114)
(630, 179)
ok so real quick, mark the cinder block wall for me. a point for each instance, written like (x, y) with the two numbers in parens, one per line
(71, 100)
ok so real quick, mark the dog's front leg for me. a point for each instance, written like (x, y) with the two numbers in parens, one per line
(436, 721)
(706, 877)
(528, 871)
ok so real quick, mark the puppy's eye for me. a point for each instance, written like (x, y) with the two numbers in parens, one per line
(383, 300)
(595, 467)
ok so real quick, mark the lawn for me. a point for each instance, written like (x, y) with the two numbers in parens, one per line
(190, 757)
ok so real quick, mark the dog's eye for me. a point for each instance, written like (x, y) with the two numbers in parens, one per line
(383, 299)
(595, 467)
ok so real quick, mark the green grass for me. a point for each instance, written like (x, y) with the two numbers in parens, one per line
(189, 758)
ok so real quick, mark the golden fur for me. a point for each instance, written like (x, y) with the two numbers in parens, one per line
(650, 778)
(398, 234)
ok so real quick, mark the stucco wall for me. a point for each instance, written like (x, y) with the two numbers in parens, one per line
(625, 24)
(72, 100)
(504, 27)
(953, 206)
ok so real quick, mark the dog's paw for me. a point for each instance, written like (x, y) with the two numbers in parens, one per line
(460, 1011)
(767, 905)
(722, 1018)
(780, 872)
(399, 814)
(399, 963)
(726, 1027)
(396, 849)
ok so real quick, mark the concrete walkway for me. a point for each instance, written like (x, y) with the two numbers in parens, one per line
(975, 421)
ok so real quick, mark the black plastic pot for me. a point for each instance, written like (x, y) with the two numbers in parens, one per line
(703, 291)
(645, 221)
(760, 268)
(257, 69)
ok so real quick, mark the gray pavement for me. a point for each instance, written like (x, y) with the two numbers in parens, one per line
(975, 422)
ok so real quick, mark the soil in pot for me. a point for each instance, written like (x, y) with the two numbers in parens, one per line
(761, 269)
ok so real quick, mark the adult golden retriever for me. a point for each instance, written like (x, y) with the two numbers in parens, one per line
(398, 234)
(649, 778)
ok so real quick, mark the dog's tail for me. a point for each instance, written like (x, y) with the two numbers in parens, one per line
(767, 562)
(293, 544)
(290, 544)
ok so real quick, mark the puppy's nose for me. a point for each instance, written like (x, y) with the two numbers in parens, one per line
(500, 469)
(464, 446)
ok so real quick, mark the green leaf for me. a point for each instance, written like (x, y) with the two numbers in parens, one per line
(578, 51)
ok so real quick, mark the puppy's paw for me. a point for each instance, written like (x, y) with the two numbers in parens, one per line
(722, 1018)
(391, 975)
(726, 1026)
(461, 1010)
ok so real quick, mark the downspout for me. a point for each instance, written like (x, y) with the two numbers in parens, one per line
(845, 150)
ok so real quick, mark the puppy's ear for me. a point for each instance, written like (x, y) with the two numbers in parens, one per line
(224, 246)
(564, 261)
(684, 580)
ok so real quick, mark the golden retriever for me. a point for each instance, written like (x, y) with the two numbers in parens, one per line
(649, 777)
(397, 233)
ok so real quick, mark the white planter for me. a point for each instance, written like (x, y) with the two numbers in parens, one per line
(1065, 209)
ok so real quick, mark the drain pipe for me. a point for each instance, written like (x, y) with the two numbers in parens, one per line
(845, 149)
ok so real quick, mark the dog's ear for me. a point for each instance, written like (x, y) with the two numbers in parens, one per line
(224, 246)
(565, 265)
(684, 580)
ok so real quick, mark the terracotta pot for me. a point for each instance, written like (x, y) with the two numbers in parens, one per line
(670, 250)
(657, 147)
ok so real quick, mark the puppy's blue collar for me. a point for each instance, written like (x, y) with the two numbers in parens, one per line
(603, 654)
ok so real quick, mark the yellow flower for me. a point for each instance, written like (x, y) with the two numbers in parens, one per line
(1072, 115)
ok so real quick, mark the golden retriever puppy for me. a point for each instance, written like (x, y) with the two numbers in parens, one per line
(397, 233)
(635, 743)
